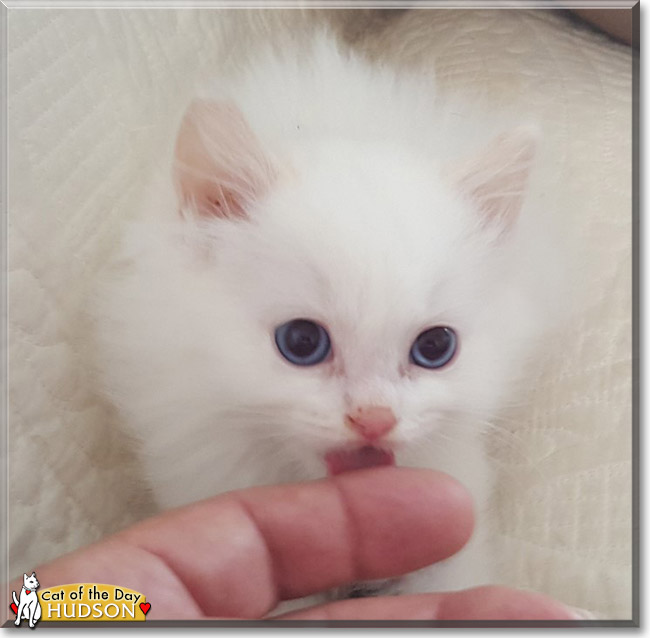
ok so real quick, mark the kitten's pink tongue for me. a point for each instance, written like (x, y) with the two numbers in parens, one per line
(348, 459)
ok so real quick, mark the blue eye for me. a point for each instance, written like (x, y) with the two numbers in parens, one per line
(434, 348)
(302, 342)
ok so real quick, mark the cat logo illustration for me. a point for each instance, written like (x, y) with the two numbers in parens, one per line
(74, 602)
(27, 606)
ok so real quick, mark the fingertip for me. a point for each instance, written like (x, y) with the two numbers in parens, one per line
(426, 514)
(581, 614)
(495, 602)
(461, 507)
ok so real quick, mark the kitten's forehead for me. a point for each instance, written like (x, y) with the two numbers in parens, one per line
(367, 212)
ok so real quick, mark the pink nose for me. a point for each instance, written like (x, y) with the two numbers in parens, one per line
(371, 422)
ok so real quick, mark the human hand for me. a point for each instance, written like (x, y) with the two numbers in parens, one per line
(239, 554)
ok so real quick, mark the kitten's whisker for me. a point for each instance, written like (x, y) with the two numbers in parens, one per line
(506, 437)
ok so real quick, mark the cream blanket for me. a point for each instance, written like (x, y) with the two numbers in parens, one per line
(93, 95)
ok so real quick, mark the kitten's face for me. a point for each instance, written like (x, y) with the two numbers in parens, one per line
(375, 247)
(370, 243)
(30, 582)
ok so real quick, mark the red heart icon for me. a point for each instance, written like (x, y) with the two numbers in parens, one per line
(145, 608)
(13, 608)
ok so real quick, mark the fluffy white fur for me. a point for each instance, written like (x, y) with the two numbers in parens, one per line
(313, 185)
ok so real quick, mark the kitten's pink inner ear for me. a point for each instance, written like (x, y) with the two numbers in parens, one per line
(496, 179)
(220, 168)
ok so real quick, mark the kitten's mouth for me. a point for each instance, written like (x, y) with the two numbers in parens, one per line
(347, 459)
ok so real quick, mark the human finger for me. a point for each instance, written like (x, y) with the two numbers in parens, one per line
(477, 604)
(238, 554)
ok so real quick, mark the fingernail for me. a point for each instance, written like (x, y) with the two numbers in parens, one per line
(581, 614)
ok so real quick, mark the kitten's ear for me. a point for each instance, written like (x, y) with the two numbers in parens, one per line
(496, 179)
(220, 168)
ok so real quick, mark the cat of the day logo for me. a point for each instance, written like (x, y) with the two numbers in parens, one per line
(77, 602)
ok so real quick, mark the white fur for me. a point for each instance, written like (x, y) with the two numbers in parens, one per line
(363, 231)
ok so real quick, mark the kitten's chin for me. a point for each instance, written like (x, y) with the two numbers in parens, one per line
(347, 459)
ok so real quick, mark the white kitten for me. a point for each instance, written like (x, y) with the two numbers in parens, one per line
(391, 223)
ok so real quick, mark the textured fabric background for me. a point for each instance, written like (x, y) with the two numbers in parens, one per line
(93, 95)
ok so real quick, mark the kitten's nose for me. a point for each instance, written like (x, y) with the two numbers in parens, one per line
(372, 421)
